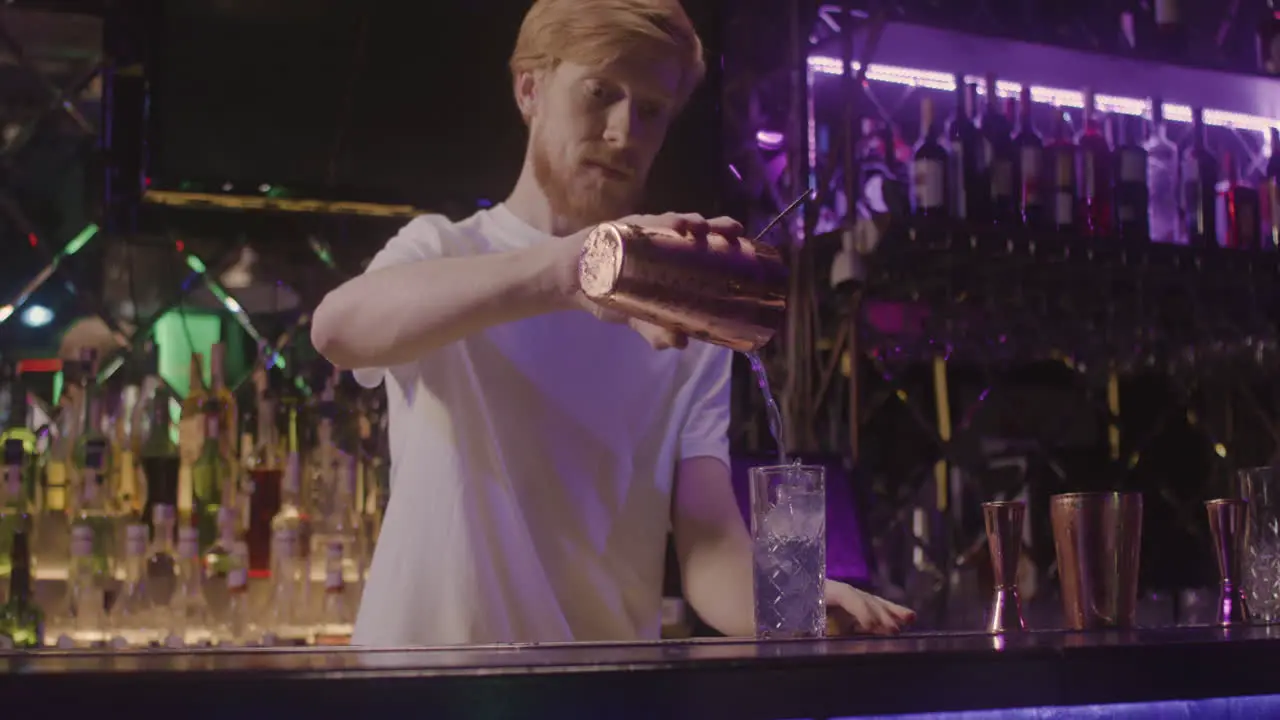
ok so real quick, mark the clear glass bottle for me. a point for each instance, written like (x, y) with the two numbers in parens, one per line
(1162, 178)
(91, 511)
(336, 614)
(86, 591)
(284, 618)
(133, 618)
(189, 622)
(14, 500)
(218, 561)
(237, 626)
(161, 567)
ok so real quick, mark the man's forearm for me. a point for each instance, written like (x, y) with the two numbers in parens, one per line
(718, 583)
(398, 314)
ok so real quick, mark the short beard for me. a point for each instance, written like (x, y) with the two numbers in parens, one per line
(579, 205)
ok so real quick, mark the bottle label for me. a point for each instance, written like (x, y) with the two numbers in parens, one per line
(929, 176)
(1167, 12)
(237, 578)
(13, 480)
(1031, 166)
(333, 580)
(1133, 168)
(1064, 204)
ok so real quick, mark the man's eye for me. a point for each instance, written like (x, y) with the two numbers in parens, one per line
(595, 90)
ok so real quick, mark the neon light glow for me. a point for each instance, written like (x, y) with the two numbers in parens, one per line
(943, 81)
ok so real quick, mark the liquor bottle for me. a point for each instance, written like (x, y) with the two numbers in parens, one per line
(236, 624)
(1093, 174)
(1031, 165)
(160, 460)
(1131, 201)
(1162, 178)
(1002, 157)
(132, 615)
(285, 619)
(213, 478)
(968, 179)
(14, 507)
(337, 613)
(52, 532)
(1269, 39)
(218, 560)
(92, 513)
(189, 620)
(21, 620)
(18, 453)
(1060, 157)
(1171, 31)
(929, 168)
(87, 599)
(161, 566)
(1270, 192)
(265, 473)
(191, 428)
(228, 429)
(1199, 181)
(17, 424)
(125, 428)
(1239, 225)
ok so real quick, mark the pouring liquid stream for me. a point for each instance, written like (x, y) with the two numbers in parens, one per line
(772, 412)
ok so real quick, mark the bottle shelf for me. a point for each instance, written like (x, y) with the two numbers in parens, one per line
(928, 56)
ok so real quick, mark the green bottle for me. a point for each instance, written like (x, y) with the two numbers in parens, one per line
(21, 621)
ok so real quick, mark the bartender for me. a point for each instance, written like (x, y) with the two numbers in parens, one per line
(542, 448)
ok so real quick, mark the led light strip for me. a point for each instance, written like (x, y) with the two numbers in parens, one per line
(1055, 96)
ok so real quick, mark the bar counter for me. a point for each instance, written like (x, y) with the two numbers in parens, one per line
(742, 680)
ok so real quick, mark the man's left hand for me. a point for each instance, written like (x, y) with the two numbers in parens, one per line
(853, 611)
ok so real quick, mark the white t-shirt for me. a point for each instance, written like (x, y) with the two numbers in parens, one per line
(532, 467)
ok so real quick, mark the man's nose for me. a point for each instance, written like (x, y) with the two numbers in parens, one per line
(617, 131)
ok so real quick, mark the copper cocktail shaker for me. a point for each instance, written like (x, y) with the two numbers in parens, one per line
(1227, 526)
(1003, 521)
(726, 292)
(1098, 538)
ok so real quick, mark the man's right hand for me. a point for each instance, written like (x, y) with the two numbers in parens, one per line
(568, 251)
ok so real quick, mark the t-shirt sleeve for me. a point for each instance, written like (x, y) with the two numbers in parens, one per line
(705, 432)
(419, 240)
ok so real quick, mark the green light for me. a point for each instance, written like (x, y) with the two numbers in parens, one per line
(79, 241)
(196, 264)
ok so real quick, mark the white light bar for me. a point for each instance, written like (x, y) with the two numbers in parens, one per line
(934, 80)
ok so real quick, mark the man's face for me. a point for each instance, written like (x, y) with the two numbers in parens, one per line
(594, 132)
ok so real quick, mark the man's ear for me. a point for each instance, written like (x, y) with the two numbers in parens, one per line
(526, 90)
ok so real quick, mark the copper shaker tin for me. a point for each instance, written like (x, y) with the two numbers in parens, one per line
(726, 292)
(1098, 538)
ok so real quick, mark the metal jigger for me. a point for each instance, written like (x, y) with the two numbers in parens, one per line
(1004, 540)
(1226, 525)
